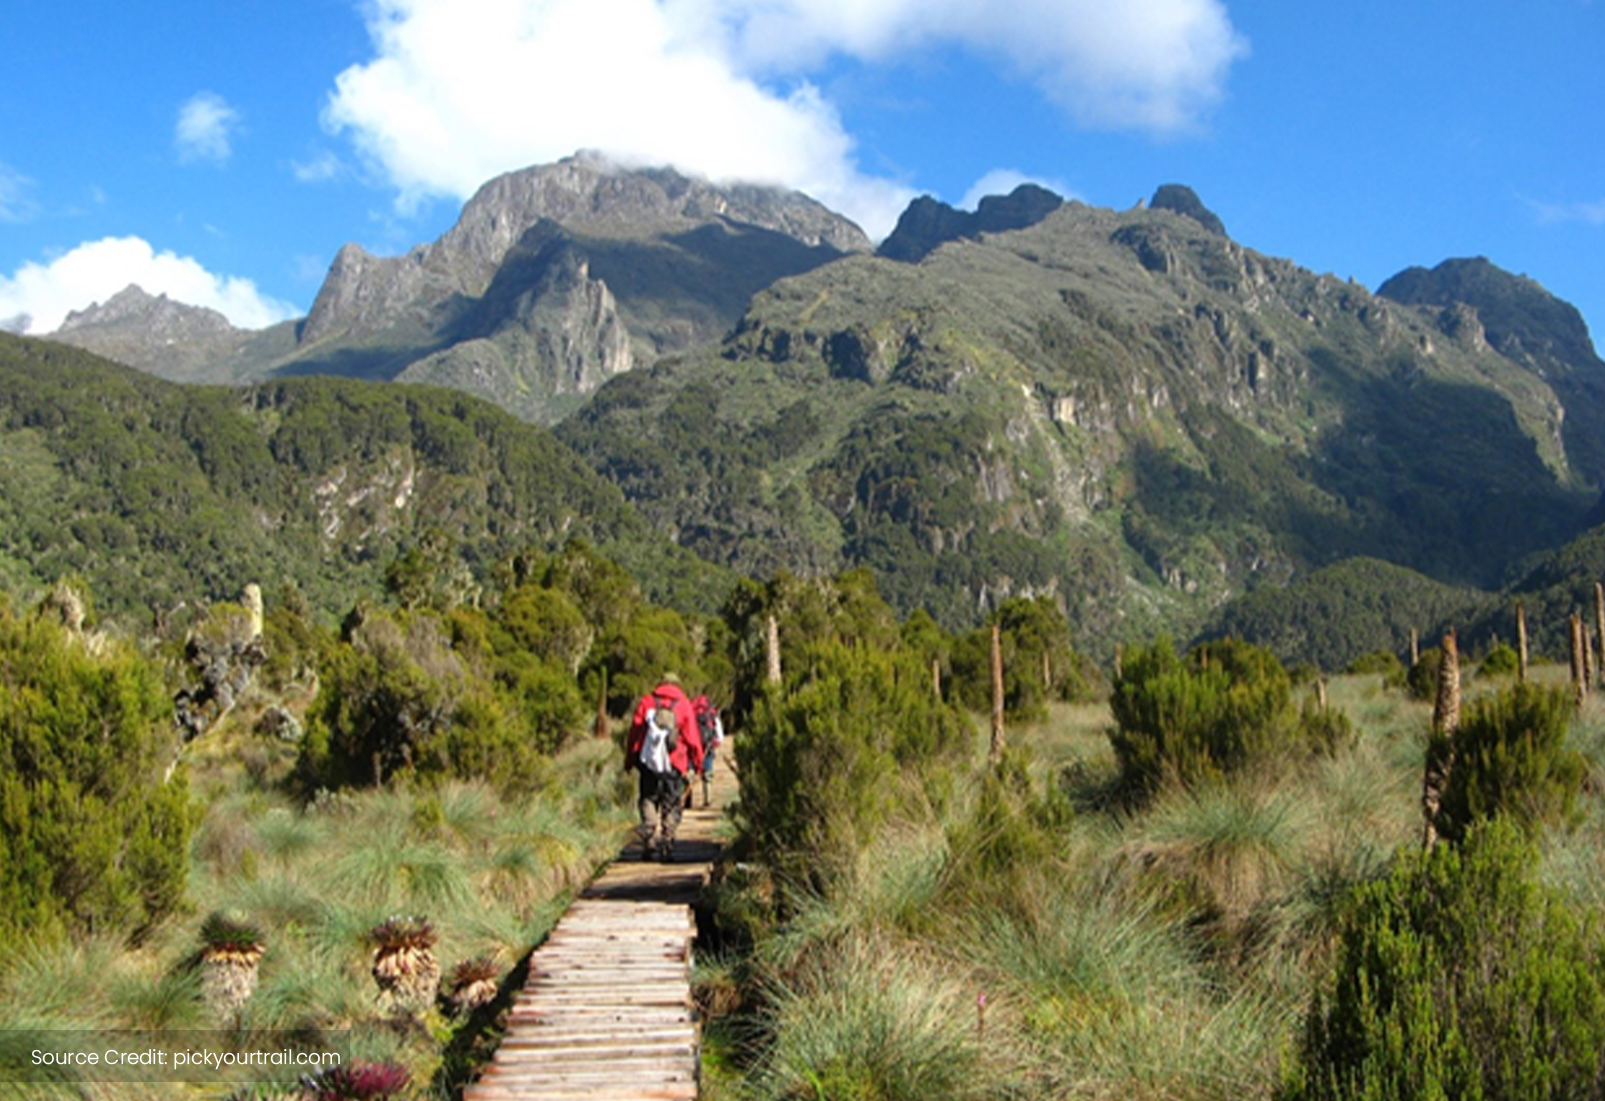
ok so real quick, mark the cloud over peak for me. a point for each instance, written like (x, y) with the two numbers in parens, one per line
(38, 297)
(461, 90)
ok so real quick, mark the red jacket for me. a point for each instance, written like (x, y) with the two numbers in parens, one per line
(686, 756)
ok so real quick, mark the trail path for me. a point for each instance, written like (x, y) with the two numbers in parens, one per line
(606, 1014)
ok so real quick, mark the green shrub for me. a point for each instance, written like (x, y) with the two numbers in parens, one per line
(1385, 662)
(1223, 708)
(1422, 679)
(396, 700)
(93, 837)
(1501, 661)
(1327, 730)
(1039, 663)
(838, 753)
(1458, 976)
(1510, 758)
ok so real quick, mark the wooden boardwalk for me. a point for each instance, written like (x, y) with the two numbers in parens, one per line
(606, 1014)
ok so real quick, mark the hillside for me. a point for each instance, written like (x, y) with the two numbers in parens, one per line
(162, 495)
(1128, 409)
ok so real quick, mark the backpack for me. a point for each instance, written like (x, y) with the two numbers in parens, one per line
(661, 737)
(707, 721)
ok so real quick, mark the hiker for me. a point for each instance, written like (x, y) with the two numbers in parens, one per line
(665, 747)
(711, 726)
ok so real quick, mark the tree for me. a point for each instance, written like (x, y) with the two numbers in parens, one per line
(837, 752)
(94, 833)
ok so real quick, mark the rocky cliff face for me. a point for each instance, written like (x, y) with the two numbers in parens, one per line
(555, 278)
(155, 334)
(928, 223)
(1127, 409)
(1479, 303)
(545, 333)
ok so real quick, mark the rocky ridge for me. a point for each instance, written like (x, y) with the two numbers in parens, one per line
(154, 333)
(1127, 409)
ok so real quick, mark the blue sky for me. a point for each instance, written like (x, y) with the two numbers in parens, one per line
(224, 153)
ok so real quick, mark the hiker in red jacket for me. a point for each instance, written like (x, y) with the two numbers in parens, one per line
(665, 747)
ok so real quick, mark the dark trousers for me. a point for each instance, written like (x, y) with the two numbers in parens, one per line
(661, 796)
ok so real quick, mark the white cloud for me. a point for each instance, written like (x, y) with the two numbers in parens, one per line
(1150, 64)
(324, 166)
(15, 205)
(1001, 181)
(96, 270)
(461, 90)
(1556, 213)
(205, 130)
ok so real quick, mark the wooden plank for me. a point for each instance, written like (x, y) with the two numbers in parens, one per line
(605, 1013)
(668, 1092)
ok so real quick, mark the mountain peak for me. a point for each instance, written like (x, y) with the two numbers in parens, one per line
(928, 222)
(132, 305)
(1183, 200)
(1522, 319)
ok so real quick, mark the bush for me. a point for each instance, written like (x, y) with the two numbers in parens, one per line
(1458, 976)
(1039, 663)
(1501, 661)
(396, 700)
(838, 753)
(92, 836)
(1385, 662)
(1422, 679)
(1223, 708)
(1510, 758)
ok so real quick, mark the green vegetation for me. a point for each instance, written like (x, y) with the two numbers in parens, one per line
(167, 497)
(1511, 760)
(1361, 606)
(1012, 930)
(825, 759)
(94, 825)
(1040, 664)
(1456, 975)
(1225, 708)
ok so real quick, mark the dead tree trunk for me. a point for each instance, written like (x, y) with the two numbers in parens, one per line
(1579, 677)
(1599, 630)
(997, 694)
(1521, 642)
(1415, 648)
(1441, 750)
(601, 730)
(772, 649)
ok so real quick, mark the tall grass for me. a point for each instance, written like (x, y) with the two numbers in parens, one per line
(870, 1022)
(1167, 952)
(491, 875)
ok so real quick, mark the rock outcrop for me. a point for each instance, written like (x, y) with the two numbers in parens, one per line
(153, 333)
(556, 278)
(1183, 200)
(929, 223)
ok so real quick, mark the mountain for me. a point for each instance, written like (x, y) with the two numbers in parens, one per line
(170, 339)
(929, 222)
(553, 279)
(1481, 304)
(1127, 409)
(162, 494)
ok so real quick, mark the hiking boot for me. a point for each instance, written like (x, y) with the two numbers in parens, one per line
(666, 852)
(648, 851)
